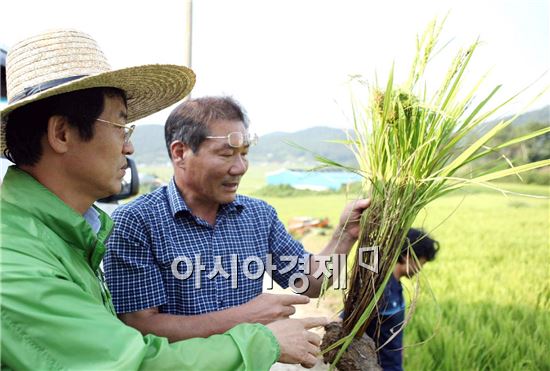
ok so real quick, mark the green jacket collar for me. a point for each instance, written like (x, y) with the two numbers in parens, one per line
(24, 192)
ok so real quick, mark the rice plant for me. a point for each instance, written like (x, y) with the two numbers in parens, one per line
(413, 146)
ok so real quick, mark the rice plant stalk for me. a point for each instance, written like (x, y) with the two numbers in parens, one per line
(410, 147)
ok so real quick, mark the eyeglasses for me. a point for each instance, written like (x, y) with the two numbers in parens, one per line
(237, 139)
(128, 130)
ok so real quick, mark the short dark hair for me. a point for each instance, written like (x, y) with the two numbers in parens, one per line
(189, 121)
(422, 244)
(25, 126)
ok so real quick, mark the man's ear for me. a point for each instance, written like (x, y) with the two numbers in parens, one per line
(179, 152)
(59, 133)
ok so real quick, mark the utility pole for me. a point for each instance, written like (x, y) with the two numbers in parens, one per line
(188, 38)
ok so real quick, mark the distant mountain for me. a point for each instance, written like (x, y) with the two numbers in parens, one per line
(149, 145)
(150, 148)
(284, 147)
(541, 115)
(519, 126)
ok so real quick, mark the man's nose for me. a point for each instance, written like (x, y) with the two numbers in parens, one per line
(239, 166)
(128, 148)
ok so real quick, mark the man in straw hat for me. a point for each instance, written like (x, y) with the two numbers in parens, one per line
(67, 129)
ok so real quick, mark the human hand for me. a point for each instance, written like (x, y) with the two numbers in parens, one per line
(297, 344)
(267, 308)
(350, 217)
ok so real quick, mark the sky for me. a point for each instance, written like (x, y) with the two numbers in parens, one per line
(288, 62)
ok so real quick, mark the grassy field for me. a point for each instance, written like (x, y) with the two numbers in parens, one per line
(485, 301)
(490, 307)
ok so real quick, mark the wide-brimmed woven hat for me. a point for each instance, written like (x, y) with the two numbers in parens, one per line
(62, 61)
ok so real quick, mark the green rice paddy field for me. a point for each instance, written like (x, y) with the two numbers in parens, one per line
(484, 303)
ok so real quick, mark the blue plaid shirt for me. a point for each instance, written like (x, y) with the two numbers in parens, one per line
(156, 242)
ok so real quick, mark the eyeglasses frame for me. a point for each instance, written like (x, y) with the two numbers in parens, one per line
(252, 138)
(128, 129)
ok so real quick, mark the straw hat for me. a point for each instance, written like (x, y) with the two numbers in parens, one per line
(62, 61)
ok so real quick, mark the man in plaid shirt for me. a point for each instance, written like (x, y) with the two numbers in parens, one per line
(187, 260)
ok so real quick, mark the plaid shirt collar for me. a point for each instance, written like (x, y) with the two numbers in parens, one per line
(178, 205)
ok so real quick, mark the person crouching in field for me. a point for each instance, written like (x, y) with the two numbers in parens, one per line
(391, 307)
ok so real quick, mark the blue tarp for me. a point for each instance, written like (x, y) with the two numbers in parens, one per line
(317, 180)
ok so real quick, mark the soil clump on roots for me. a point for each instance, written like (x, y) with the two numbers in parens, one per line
(360, 355)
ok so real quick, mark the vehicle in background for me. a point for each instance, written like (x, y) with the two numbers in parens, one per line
(130, 188)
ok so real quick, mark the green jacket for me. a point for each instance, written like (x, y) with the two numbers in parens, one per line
(56, 310)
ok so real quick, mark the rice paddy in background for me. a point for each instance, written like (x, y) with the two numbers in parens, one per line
(485, 301)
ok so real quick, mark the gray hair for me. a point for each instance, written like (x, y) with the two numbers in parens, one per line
(189, 121)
